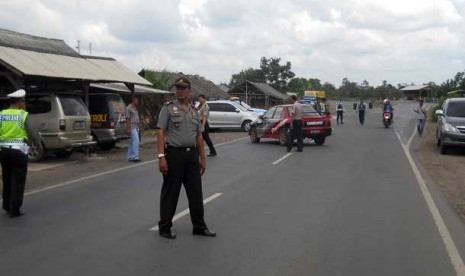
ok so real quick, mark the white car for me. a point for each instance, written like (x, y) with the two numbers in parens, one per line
(230, 115)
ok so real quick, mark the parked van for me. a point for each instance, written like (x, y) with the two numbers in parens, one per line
(63, 122)
(108, 121)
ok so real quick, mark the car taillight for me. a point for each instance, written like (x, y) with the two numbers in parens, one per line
(62, 125)
(112, 123)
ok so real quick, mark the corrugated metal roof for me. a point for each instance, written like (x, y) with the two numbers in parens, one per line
(31, 63)
(120, 87)
(35, 43)
(414, 87)
(265, 88)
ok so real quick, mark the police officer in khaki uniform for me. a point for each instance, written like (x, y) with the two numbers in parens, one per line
(180, 146)
(14, 132)
(296, 125)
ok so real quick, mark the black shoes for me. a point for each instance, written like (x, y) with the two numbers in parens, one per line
(204, 232)
(16, 214)
(212, 154)
(168, 235)
(300, 150)
(134, 160)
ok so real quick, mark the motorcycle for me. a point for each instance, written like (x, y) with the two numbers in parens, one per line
(387, 121)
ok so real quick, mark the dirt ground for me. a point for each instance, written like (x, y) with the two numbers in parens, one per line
(447, 171)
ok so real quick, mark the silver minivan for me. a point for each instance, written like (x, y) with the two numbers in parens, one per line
(450, 131)
(230, 115)
(62, 120)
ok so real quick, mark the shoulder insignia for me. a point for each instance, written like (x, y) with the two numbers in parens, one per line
(168, 103)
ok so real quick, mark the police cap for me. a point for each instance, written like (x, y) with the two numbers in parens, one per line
(182, 83)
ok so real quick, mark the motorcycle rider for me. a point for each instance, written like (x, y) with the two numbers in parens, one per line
(387, 107)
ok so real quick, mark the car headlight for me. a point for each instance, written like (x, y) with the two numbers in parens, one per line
(450, 128)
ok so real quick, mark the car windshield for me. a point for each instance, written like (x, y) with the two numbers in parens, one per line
(307, 109)
(240, 107)
(246, 105)
(456, 109)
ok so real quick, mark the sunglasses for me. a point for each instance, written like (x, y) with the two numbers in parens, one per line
(181, 88)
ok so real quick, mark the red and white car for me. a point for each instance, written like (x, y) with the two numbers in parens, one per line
(276, 121)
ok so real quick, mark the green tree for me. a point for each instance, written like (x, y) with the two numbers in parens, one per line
(270, 72)
(349, 89)
(253, 75)
(297, 85)
(276, 75)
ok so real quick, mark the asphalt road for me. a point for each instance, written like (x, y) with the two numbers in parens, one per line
(350, 207)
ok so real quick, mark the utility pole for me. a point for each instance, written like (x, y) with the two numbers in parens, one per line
(78, 47)
(90, 48)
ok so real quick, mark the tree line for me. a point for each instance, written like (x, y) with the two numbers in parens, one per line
(280, 76)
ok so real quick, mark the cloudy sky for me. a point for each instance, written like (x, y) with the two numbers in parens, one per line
(400, 41)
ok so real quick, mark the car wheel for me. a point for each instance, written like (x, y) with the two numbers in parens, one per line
(35, 154)
(320, 140)
(107, 145)
(438, 140)
(254, 135)
(63, 153)
(246, 125)
(283, 136)
(442, 148)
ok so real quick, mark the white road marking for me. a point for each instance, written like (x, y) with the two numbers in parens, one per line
(185, 212)
(282, 158)
(449, 244)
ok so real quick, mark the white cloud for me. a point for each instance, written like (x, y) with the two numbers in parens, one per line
(398, 41)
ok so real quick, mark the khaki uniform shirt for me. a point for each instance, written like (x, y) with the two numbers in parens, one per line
(204, 111)
(297, 111)
(181, 127)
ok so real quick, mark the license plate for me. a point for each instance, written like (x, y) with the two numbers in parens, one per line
(79, 125)
(315, 132)
(314, 123)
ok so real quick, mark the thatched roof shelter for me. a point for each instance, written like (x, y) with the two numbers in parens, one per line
(257, 94)
(199, 85)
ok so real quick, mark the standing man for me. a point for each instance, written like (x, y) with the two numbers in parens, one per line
(340, 112)
(204, 112)
(422, 115)
(14, 133)
(361, 108)
(180, 145)
(296, 125)
(132, 129)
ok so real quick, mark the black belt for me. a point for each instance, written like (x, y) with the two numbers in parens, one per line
(188, 149)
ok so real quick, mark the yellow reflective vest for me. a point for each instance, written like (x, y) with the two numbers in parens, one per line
(12, 127)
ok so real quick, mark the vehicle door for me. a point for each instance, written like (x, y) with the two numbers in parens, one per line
(217, 116)
(76, 117)
(117, 108)
(267, 118)
(233, 115)
(274, 122)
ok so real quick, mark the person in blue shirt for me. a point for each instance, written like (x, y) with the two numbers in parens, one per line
(388, 107)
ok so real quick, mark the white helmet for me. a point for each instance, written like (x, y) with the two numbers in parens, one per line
(386, 101)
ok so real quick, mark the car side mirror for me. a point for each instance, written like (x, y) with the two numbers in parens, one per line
(439, 112)
(261, 117)
(238, 111)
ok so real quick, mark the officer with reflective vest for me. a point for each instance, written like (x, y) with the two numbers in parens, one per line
(14, 133)
(181, 160)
